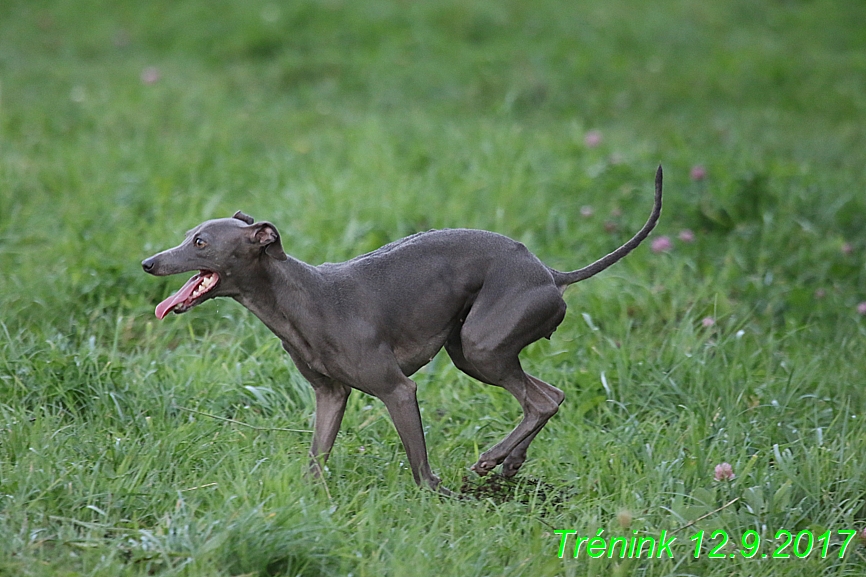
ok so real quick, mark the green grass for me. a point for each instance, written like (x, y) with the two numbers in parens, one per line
(350, 124)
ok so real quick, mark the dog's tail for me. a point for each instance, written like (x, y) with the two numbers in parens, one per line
(563, 279)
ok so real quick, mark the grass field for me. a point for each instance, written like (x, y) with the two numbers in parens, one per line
(130, 446)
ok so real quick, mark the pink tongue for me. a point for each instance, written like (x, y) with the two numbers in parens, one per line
(180, 296)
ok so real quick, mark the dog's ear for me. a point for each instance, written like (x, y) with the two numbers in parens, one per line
(244, 217)
(265, 234)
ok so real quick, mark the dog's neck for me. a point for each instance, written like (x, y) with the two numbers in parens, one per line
(282, 294)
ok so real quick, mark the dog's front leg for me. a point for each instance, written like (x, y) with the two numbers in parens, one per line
(402, 405)
(331, 397)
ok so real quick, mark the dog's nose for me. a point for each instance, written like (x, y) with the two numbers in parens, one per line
(147, 264)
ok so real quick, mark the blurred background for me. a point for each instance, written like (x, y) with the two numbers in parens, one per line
(350, 124)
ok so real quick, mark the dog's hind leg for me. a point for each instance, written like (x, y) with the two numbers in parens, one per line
(515, 459)
(517, 456)
(497, 328)
(537, 407)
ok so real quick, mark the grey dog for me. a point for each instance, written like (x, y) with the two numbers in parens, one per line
(371, 322)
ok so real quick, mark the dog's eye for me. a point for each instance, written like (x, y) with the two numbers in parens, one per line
(199, 242)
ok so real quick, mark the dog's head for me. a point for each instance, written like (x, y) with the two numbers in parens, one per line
(225, 251)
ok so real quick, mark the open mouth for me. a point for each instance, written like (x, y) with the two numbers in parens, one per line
(189, 295)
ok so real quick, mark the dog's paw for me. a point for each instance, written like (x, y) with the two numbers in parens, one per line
(512, 463)
(510, 468)
(483, 467)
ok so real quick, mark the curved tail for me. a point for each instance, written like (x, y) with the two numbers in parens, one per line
(563, 279)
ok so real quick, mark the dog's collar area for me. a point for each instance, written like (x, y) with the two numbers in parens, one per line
(189, 295)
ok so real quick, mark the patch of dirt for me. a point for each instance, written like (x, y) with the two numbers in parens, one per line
(502, 489)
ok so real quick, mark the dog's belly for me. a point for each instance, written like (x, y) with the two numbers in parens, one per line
(419, 326)
(417, 354)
